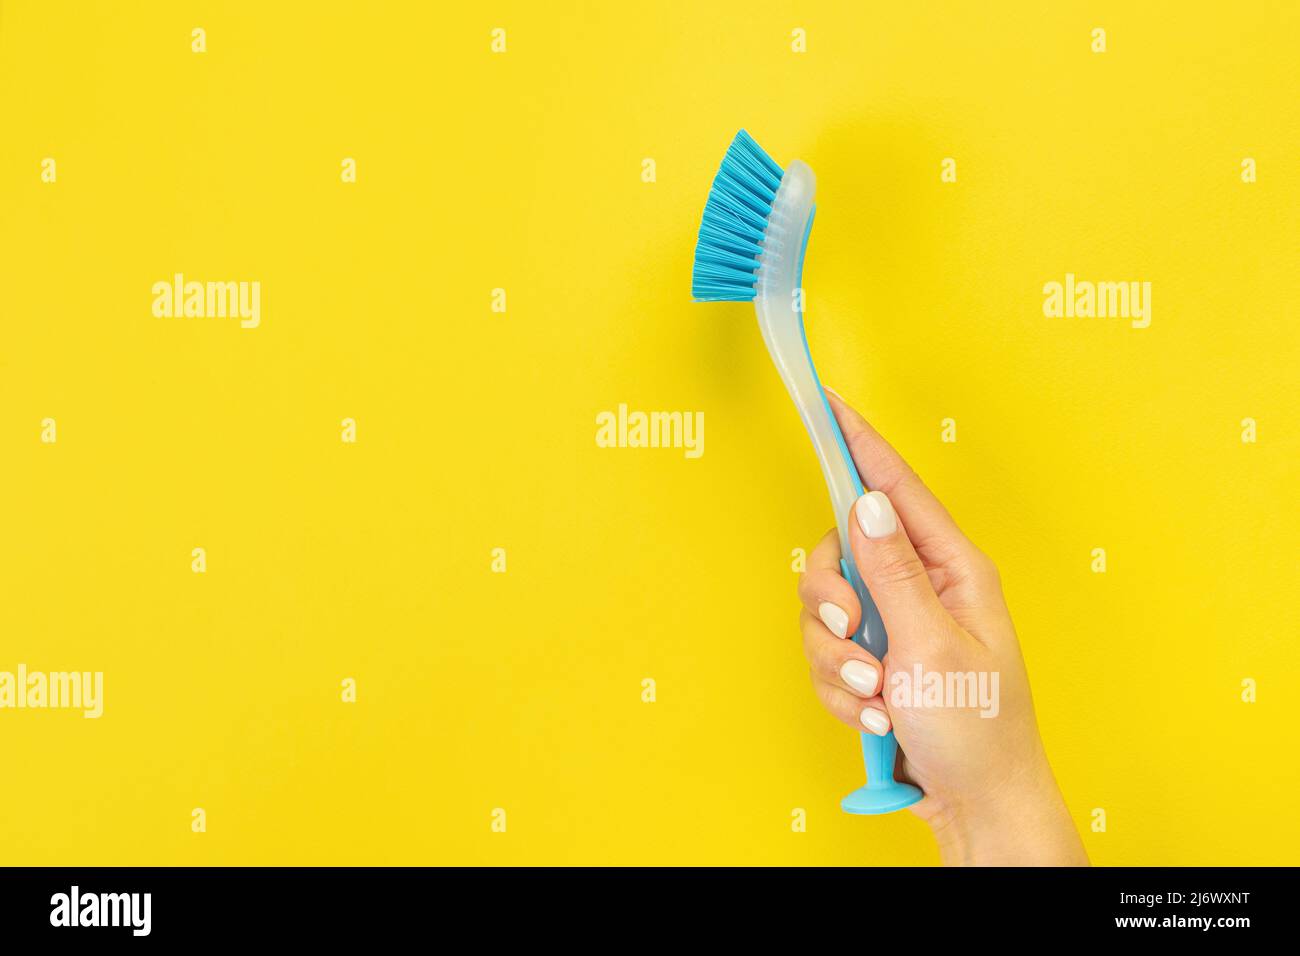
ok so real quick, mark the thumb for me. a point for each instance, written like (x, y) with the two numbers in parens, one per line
(895, 576)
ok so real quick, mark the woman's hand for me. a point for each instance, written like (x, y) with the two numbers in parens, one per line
(990, 796)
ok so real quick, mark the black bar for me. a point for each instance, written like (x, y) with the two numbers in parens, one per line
(207, 905)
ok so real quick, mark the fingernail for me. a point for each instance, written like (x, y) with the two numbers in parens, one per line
(876, 515)
(874, 721)
(834, 618)
(827, 388)
(861, 676)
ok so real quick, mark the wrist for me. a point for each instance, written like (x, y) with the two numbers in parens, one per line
(1021, 822)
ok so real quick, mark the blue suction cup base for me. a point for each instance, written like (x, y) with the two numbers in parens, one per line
(871, 800)
(888, 795)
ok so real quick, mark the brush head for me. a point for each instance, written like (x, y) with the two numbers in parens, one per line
(735, 219)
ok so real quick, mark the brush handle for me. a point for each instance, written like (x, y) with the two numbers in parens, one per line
(779, 302)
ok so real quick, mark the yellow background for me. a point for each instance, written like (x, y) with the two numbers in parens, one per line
(476, 430)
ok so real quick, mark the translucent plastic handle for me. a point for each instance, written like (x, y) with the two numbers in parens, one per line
(779, 302)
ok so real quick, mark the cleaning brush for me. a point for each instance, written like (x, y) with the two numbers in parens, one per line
(751, 248)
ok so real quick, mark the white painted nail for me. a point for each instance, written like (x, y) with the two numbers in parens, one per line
(835, 618)
(874, 721)
(861, 676)
(876, 515)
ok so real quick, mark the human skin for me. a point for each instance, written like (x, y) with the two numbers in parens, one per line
(990, 796)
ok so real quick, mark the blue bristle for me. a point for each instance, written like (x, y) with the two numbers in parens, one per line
(735, 218)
